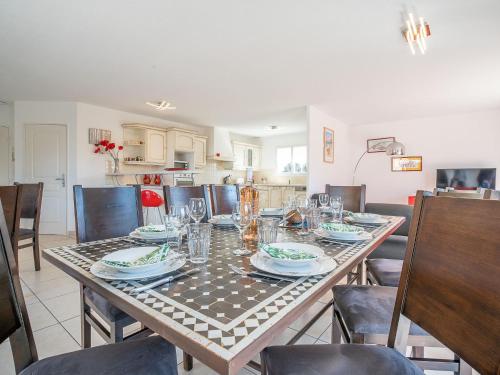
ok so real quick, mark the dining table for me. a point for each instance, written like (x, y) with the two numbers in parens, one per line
(221, 317)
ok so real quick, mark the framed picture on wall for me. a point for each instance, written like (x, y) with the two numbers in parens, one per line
(406, 164)
(328, 145)
(378, 144)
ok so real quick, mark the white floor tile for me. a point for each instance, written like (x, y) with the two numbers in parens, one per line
(64, 307)
(54, 340)
(39, 316)
(73, 327)
(55, 287)
(6, 361)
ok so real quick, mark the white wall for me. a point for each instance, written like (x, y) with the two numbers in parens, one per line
(7, 119)
(457, 141)
(320, 173)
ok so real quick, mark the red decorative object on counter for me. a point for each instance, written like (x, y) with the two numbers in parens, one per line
(411, 200)
(157, 179)
(146, 180)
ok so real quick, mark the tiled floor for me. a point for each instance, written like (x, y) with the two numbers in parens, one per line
(54, 310)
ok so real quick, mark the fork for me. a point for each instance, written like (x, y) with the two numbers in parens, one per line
(259, 274)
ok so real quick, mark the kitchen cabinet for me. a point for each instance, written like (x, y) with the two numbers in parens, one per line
(275, 197)
(180, 140)
(263, 198)
(246, 155)
(200, 151)
(288, 194)
(156, 146)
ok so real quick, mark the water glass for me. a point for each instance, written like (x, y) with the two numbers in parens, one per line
(313, 218)
(197, 209)
(336, 205)
(324, 199)
(172, 229)
(267, 230)
(198, 237)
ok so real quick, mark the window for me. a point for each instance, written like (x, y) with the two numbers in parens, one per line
(291, 159)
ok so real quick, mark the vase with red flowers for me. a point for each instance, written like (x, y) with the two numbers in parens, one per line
(106, 147)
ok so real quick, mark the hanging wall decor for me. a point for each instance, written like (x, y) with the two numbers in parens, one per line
(406, 164)
(328, 145)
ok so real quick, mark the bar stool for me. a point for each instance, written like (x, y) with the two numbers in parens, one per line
(150, 199)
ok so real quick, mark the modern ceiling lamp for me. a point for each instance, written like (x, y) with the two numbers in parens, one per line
(162, 105)
(416, 33)
(392, 149)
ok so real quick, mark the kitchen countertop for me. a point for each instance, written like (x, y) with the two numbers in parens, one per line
(150, 173)
(281, 185)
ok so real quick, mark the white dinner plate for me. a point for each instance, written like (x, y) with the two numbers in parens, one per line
(310, 249)
(321, 266)
(363, 236)
(133, 253)
(103, 271)
(156, 237)
(271, 212)
(222, 220)
(366, 218)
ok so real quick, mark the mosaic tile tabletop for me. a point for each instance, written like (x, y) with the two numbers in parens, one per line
(217, 307)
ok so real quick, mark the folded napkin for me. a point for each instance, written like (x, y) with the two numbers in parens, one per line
(291, 254)
(157, 255)
(152, 229)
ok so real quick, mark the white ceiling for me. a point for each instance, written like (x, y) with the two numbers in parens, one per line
(249, 64)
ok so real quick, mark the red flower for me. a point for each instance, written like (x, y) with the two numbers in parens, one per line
(104, 142)
(111, 146)
(120, 148)
(97, 150)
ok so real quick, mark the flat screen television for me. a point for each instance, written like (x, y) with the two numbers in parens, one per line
(466, 178)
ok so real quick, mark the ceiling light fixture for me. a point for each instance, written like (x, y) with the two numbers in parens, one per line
(416, 34)
(273, 127)
(161, 105)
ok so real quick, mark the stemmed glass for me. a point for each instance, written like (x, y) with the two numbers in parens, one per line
(197, 209)
(324, 199)
(242, 217)
(303, 206)
(336, 205)
(178, 218)
(173, 223)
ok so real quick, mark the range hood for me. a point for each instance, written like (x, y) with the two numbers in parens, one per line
(219, 145)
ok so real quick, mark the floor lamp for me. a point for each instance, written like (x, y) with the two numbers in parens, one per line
(392, 149)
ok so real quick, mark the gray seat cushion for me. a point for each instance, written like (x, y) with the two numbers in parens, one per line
(148, 356)
(336, 360)
(385, 272)
(111, 312)
(368, 309)
(392, 248)
(392, 209)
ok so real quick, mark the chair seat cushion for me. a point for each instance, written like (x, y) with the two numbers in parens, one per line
(336, 359)
(103, 306)
(393, 247)
(368, 309)
(25, 233)
(386, 272)
(148, 356)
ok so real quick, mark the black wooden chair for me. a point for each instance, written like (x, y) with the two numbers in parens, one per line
(180, 196)
(224, 197)
(102, 213)
(11, 197)
(31, 205)
(451, 292)
(384, 265)
(152, 355)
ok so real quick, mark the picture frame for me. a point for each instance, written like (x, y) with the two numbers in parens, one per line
(328, 145)
(406, 164)
(374, 145)
(97, 135)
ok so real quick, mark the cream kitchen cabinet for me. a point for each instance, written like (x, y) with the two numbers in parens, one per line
(288, 193)
(263, 197)
(155, 146)
(180, 140)
(200, 151)
(275, 197)
(246, 155)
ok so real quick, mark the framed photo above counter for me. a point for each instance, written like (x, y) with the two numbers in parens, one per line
(406, 164)
(378, 144)
(328, 145)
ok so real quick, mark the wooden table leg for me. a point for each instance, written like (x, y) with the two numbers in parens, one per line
(187, 361)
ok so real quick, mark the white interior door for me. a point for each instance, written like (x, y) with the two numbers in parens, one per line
(45, 161)
(4, 155)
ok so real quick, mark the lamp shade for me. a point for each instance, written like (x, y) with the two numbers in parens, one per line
(395, 149)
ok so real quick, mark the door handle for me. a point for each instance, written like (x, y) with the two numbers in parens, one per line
(63, 179)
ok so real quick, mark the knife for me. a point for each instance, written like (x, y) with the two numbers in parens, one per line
(164, 280)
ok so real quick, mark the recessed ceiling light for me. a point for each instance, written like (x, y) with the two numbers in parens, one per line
(161, 105)
(273, 127)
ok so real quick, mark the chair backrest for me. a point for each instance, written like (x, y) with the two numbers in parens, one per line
(224, 197)
(180, 195)
(354, 197)
(471, 194)
(11, 197)
(450, 284)
(108, 212)
(31, 202)
(13, 314)
(392, 209)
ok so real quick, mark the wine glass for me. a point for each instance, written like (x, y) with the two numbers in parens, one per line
(242, 217)
(336, 205)
(197, 209)
(303, 206)
(324, 199)
(177, 218)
